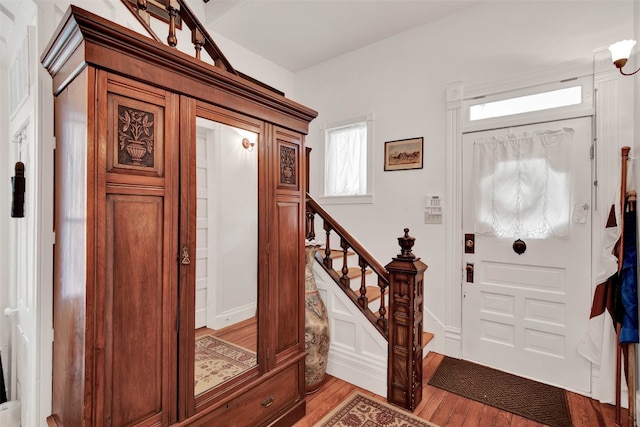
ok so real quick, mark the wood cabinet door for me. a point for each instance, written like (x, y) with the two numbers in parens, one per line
(136, 339)
(220, 227)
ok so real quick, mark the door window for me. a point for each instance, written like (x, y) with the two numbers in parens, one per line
(523, 185)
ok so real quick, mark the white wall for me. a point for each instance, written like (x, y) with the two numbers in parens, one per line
(636, 64)
(235, 208)
(403, 79)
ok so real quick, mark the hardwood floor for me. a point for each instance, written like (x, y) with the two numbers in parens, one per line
(243, 333)
(450, 410)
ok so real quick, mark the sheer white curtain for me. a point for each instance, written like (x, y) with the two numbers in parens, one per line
(523, 185)
(346, 161)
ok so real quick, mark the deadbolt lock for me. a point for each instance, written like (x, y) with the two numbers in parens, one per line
(469, 243)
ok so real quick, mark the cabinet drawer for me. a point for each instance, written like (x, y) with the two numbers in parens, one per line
(259, 404)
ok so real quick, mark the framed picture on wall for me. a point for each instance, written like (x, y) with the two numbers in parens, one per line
(403, 154)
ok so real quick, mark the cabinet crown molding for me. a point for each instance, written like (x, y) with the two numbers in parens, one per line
(84, 38)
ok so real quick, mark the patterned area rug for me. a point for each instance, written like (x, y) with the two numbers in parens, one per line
(530, 399)
(362, 411)
(217, 361)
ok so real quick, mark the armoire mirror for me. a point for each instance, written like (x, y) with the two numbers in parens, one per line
(226, 270)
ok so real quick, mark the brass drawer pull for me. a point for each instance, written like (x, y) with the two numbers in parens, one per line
(267, 402)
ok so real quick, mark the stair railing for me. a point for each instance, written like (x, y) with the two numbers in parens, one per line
(400, 284)
(343, 274)
(174, 11)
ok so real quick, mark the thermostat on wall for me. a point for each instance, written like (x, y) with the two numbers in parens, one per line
(433, 210)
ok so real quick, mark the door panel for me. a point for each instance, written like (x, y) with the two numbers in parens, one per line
(525, 313)
(134, 352)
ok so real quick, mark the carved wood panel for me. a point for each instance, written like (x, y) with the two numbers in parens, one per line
(288, 165)
(135, 136)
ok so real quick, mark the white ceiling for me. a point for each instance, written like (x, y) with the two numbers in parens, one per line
(297, 34)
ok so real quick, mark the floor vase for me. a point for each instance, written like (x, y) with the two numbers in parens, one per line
(316, 327)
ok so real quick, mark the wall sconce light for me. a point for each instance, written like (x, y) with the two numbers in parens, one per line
(620, 53)
(248, 145)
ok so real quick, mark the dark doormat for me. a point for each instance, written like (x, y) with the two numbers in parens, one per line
(530, 399)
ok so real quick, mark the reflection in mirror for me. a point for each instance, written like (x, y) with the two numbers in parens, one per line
(227, 253)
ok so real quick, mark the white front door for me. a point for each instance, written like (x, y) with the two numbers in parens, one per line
(525, 313)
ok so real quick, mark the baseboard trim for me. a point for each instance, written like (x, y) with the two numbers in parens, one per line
(453, 343)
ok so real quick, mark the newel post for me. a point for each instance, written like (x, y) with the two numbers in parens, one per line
(404, 373)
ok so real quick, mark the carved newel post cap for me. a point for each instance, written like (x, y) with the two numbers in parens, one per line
(406, 242)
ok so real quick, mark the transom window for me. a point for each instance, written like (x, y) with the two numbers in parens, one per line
(527, 104)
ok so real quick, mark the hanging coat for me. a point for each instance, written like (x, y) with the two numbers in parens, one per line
(628, 282)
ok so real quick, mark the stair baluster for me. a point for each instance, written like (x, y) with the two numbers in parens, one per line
(344, 280)
(328, 261)
(382, 311)
(197, 38)
(311, 226)
(363, 300)
(172, 10)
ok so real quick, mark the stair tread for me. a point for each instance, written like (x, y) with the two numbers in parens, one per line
(336, 253)
(354, 272)
(373, 293)
(426, 338)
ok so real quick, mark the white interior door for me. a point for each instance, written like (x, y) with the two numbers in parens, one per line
(205, 237)
(23, 287)
(525, 313)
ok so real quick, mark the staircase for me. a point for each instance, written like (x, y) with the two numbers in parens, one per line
(363, 298)
(373, 293)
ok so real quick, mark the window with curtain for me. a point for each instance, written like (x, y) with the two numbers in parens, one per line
(346, 160)
(523, 185)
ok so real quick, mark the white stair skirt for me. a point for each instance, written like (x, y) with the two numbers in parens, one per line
(357, 353)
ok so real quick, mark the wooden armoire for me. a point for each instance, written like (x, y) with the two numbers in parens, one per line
(126, 109)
